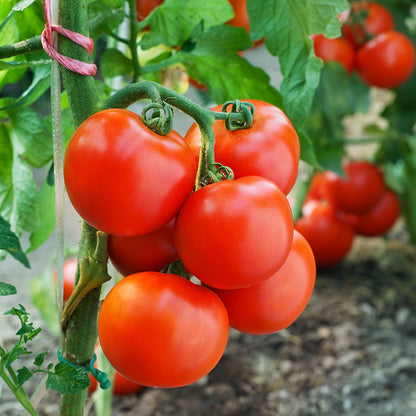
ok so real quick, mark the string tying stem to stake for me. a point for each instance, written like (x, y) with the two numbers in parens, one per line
(82, 68)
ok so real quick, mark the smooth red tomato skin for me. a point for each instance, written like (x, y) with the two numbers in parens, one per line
(70, 269)
(235, 233)
(122, 386)
(162, 330)
(277, 302)
(378, 20)
(122, 178)
(359, 191)
(269, 148)
(379, 219)
(147, 252)
(335, 50)
(387, 60)
(329, 236)
(145, 7)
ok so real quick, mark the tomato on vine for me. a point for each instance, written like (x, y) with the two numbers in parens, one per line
(70, 269)
(234, 233)
(387, 60)
(268, 148)
(278, 301)
(123, 178)
(328, 235)
(359, 191)
(379, 219)
(338, 50)
(147, 252)
(162, 330)
(145, 7)
(364, 20)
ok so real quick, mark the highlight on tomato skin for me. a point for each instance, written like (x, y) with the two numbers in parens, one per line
(161, 330)
(276, 303)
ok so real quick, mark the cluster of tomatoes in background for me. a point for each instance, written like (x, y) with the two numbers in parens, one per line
(235, 236)
(338, 208)
(383, 56)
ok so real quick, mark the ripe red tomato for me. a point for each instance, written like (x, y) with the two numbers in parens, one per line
(147, 252)
(123, 178)
(70, 269)
(328, 235)
(317, 188)
(378, 20)
(337, 50)
(235, 233)
(277, 302)
(145, 7)
(359, 191)
(122, 386)
(387, 60)
(269, 148)
(162, 330)
(379, 219)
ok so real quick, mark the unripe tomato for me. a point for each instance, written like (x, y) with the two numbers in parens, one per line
(162, 330)
(278, 301)
(123, 178)
(70, 269)
(387, 60)
(359, 191)
(328, 235)
(269, 148)
(379, 219)
(378, 20)
(147, 252)
(335, 50)
(234, 233)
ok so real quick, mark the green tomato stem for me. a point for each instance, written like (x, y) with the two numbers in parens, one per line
(301, 193)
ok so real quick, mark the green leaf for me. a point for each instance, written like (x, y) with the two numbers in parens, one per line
(40, 358)
(7, 289)
(10, 242)
(174, 21)
(68, 380)
(23, 375)
(286, 26)
(114, 63)
(105, 15)
(46, 209)
(18, 191)
(15, 353)
(214, 62)
(28, 128)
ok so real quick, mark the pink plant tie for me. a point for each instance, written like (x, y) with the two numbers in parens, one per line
(74, 65)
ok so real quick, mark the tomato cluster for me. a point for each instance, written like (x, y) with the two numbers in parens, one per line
(235, 236)
(337, 208)
(383, 57)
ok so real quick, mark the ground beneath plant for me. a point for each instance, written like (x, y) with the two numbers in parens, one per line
(352, 352)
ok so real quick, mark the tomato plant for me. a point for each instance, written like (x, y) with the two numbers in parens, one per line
(365, 20)
(147, 252)
(339, 50)
(269, 148)
(277, 302)
(329, 236)
(235, 233)
(387, 60)
(145, 7)
(359, 191)
(169, 332)
(108, 184)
